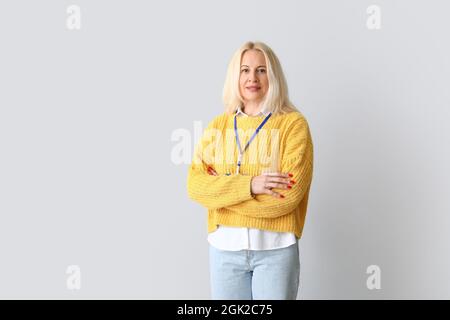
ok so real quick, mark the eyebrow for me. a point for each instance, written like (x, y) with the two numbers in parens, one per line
(244, 65)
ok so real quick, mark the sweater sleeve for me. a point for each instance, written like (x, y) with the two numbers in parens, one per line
(214, 192)
(297, 159)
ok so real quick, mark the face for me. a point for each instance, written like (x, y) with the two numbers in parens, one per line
(253, 81)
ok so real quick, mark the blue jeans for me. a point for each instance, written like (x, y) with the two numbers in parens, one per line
(254, 274)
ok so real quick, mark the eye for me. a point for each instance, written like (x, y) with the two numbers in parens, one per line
(244, 70)
(262, 70)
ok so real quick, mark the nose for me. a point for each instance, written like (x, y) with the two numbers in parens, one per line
(252, 78)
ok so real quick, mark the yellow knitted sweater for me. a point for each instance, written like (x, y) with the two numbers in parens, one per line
(284, 145)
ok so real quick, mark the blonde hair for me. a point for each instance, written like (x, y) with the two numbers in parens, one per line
(276, 99)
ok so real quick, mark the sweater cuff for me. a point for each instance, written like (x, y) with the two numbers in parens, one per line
(244, 188)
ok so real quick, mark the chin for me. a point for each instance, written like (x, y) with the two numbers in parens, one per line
(254, 98)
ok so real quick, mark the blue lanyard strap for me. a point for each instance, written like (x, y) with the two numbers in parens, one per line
(249, 141)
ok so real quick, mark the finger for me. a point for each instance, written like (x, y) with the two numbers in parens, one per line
(270, 185)
(277, 174)
(274, 194)
(279, 180)
(267, 186)
(211, 171)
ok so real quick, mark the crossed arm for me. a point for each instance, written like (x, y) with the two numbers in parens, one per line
(233, 192)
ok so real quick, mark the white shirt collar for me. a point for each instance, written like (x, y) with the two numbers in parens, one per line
(239, 112)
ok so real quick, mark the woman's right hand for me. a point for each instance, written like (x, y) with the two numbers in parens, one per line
(264, 183)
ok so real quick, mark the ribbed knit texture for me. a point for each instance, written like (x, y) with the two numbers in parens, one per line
(284, 145)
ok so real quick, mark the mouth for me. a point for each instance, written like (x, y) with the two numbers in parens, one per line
(253, 88)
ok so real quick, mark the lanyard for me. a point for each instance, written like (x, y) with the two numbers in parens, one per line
(241, 152)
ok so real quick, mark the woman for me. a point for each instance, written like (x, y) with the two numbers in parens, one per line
(252, 169)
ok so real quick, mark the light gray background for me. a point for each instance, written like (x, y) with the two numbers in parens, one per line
(86, 120)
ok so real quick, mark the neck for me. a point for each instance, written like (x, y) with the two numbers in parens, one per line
(251, 108)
